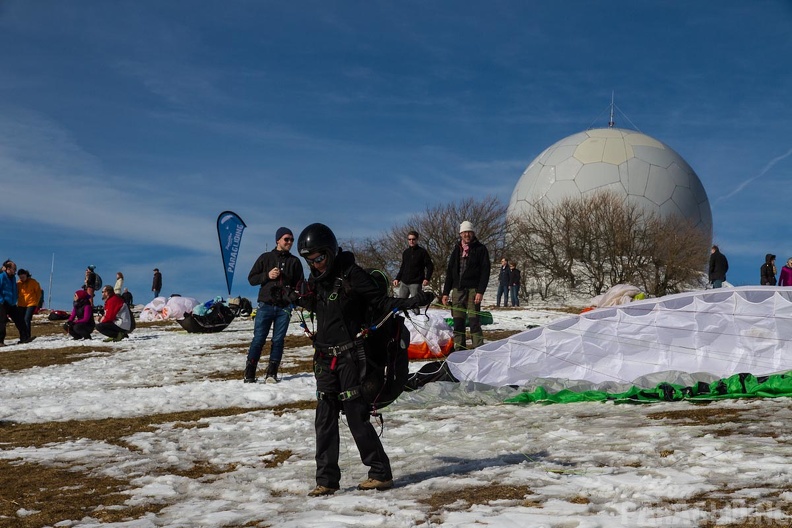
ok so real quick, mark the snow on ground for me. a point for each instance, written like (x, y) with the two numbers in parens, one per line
(586, 465)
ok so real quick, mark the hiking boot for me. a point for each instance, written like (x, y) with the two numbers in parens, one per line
(319, 491)
(272, 372)
(370, 484)
(250, 373)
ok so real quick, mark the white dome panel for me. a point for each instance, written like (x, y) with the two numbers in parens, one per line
(592, 176)
(635, 176)
(568, 169)
(660, 186)
(685, 201)
(560, 154)
(561, 191)
(616, 151)
(591, 150)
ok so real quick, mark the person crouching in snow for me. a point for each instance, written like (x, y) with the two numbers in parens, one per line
(117, 322)
(81, 322)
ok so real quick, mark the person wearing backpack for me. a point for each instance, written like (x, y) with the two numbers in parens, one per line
(117, 321)
(92, 281)
(339, 293)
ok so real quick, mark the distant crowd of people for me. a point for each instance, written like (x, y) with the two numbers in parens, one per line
(719, 265)
(21, 298)
(767, 272)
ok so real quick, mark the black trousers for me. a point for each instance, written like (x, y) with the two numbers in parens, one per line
(334, 378)
(111, 330)
(17, 316)
(81, 330)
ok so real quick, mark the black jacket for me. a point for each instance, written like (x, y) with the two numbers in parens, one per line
(767, 271)
(416, 266)
(156, 283)
(718, 266)
(341, 298)
(477, 271)
(515, 277)
(504, 276)
(276, 291)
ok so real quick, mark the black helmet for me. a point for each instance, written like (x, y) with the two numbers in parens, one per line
(318, 238)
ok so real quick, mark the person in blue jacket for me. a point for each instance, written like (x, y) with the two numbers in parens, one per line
(8, 300)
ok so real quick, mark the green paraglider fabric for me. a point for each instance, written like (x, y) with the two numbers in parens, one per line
(736, 386)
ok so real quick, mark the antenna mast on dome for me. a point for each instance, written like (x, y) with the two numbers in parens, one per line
(611, 122)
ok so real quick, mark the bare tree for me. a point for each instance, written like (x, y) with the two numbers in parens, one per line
(589, 244)
(438, 227)
(679, 254)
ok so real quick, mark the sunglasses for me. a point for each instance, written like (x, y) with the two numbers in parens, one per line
(317, 260)
(288, 239)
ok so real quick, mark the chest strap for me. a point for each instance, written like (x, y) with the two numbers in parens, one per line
(336, 350)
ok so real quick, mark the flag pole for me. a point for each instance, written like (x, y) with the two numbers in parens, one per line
(49, 296)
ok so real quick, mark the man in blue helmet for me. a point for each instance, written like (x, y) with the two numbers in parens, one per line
(340, 292)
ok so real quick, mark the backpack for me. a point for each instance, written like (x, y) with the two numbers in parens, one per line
(387, 362)
(97, 282)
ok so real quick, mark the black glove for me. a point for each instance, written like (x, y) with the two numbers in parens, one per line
(424, 298)
(293, 296)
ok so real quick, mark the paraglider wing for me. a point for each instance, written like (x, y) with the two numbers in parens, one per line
(717, 332)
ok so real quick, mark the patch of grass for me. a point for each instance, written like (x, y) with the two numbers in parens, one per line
(110, 430)
(722, 500)
(472, 495)
(699, 416)
(299, 365)
(302, 405)
(276, 458)
(497, 335)
(44, 357)
(48, 495)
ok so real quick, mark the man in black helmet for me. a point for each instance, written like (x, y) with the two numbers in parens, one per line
(339, 292)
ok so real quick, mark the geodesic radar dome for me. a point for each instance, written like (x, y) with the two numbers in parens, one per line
(646, 171)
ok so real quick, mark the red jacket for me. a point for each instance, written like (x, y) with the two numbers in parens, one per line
(112, 305)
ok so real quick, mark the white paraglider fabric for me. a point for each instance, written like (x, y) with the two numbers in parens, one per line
(718, 332)
(171, 308)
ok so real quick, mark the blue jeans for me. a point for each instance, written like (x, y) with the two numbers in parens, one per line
(503, 291)
(514, 299)
(28, 312)
(266, 315)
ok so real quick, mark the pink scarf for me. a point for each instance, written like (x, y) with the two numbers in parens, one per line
(465, 250)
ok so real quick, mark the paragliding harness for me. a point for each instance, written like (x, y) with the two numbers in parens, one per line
(379, 349)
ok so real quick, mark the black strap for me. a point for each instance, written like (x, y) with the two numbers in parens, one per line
(335, 350)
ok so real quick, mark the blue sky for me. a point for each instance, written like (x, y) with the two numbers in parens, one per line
(126, 127)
